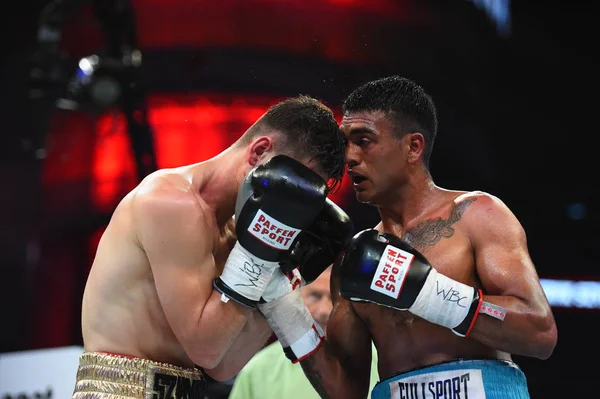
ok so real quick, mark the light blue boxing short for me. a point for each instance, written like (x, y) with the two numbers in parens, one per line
(460, 379)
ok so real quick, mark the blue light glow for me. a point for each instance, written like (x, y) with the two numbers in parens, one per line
(572, 294)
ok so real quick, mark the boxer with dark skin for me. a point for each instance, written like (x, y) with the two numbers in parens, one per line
(472, 237)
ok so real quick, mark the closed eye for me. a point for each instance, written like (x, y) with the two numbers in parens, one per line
(361, 137)
(361, 141)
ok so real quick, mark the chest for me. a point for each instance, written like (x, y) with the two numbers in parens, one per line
(452, 256)
(444, 243)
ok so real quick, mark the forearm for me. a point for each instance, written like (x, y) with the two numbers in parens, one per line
(216, 330)
(303, 341)
(327, 376)
(250, 340)
(524, 331)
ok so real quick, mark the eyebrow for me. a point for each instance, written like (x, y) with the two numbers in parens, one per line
(361, 130)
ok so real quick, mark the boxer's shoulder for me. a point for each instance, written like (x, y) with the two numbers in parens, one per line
(169, 188)
(472, 197)
(461, 210)
(165, 198)
(164, 184)
(481, 211)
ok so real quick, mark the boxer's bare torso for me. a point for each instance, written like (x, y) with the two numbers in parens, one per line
(122, 312)
(405, 341)
(472, 238)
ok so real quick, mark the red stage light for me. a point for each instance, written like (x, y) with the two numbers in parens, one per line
(187, 129)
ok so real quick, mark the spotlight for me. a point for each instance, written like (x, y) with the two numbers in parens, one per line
(98, 83)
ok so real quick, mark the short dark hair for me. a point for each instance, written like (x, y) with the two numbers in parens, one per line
(310, 130)
(409, 106)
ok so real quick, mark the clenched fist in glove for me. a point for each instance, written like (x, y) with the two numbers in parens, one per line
(383, 269)
(283, 306)
(276, 201)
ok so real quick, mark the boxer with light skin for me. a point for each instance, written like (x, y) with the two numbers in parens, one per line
(151, 313)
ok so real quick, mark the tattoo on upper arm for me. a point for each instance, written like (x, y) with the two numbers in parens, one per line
(314, 376)
(430, 232)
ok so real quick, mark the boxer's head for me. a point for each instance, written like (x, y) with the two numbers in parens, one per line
(302, 128)
(390, 126)
(317, 297)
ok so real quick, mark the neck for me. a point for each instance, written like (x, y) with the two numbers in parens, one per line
(411, 200)
(219, 182)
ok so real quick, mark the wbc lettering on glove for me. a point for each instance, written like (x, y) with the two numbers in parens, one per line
(383, 269)
(393, 269)
(275, 202)
(317, 248)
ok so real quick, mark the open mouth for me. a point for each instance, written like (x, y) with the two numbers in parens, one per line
(357, 179)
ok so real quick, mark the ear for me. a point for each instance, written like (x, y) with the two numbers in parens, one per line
(259, 150)
(416, 146)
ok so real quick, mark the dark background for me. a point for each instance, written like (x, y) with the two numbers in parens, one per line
(517, 117)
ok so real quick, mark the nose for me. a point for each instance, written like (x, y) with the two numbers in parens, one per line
(351, 155)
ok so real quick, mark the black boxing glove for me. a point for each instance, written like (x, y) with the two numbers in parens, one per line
(319, 245)
(282, 304)
(383, 269)
(276, 201)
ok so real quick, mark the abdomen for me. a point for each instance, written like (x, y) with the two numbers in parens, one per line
(121, 311)
(405, 342)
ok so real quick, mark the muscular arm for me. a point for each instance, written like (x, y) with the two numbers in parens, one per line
(510, 280)
(341, 367)
(178, 235)
(251, 339)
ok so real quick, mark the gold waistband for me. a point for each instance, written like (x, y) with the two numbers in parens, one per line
(106, 376)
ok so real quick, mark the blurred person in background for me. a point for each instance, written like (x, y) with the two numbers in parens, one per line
(173, 288)
(444, 285)
(270, 375)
